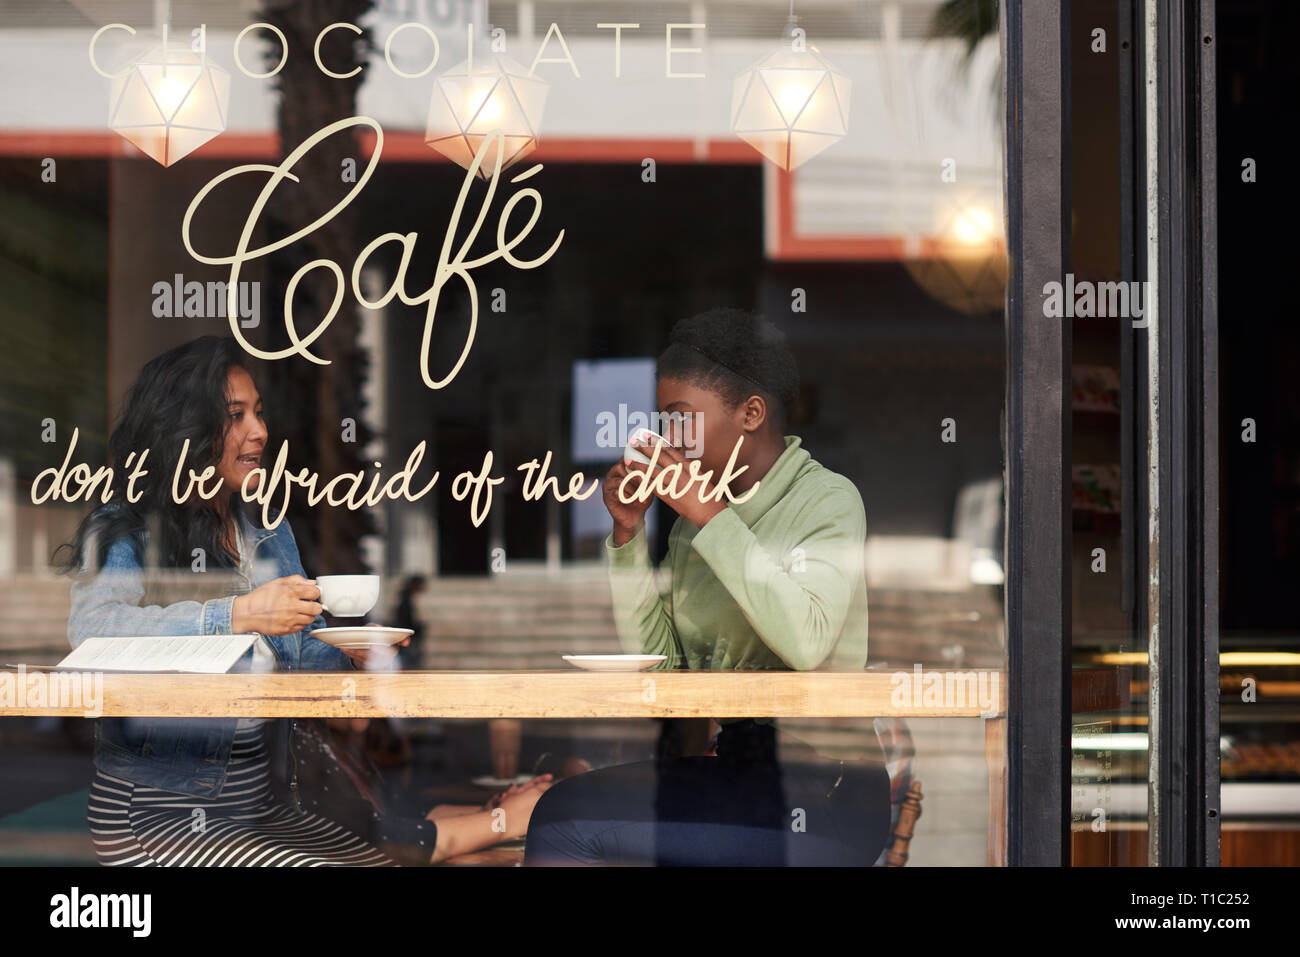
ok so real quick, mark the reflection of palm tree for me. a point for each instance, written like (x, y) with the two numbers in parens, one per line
(970, 20)
(969, 272)
(311, 401)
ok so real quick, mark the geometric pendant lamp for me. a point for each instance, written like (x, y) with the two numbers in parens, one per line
(469, 104)
(963, 263)
(791, 104)
(169, 102)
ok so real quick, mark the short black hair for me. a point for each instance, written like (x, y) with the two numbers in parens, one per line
(735, 354)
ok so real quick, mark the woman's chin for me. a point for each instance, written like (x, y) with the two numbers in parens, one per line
(234, 484)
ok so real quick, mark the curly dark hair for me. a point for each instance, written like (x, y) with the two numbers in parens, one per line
(179, 395)
(735, 354)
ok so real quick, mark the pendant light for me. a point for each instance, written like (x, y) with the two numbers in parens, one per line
(484, 94)
(169, 101)
(791, 104)
(964, 263)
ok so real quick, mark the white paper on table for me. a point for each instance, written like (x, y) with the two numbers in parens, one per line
(197, 654)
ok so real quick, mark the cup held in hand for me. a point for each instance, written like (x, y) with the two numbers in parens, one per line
(644, 437)
(348, 596)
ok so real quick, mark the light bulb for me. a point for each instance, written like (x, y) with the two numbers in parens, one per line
(791, 99)
(482, 106)
(469, 104)
(171, 93)
(169, 102)
(490, 111)
(973, 226)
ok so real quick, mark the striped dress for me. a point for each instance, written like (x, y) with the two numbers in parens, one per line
(243, 826)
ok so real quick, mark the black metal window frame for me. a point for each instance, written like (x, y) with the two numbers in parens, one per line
(1037, 441)
(1187, 758)
(1185, 777)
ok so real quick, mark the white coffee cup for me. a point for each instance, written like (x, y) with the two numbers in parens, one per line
(645, 436)
(348, 596)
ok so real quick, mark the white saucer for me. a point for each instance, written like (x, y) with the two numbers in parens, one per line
(353, 636)
(615, 662)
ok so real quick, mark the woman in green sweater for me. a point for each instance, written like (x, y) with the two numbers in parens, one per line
(765, 562)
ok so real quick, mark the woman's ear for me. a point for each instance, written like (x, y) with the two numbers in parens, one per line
(755, 413)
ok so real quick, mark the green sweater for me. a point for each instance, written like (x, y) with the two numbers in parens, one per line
(774, 582)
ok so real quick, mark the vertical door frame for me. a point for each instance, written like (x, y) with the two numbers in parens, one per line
(1035, 37)
(1183, 738)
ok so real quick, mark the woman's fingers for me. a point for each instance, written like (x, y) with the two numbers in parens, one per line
(670, 456)
(667, 455)
(304, 589)
(648, 447)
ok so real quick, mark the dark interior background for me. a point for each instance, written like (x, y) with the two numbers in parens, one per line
(1259, 74)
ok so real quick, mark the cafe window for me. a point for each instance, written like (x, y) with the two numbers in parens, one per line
(851, 242)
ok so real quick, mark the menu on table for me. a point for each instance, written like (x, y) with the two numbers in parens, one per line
(199, 654)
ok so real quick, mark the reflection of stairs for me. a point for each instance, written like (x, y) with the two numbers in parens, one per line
(34, 626)
(911, 626)
(517, 622)
(528, 622)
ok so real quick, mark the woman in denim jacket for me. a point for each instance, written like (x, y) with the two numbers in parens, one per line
(198, 791)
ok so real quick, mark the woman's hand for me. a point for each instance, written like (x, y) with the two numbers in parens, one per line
(279, 607)
(462, 833)
(626, 516)
(691, 504)
(494, 802)
(518, 807)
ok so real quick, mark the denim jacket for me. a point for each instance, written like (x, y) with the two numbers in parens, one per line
(187, 755)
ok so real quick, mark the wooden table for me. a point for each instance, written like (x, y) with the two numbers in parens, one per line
(552, 694)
